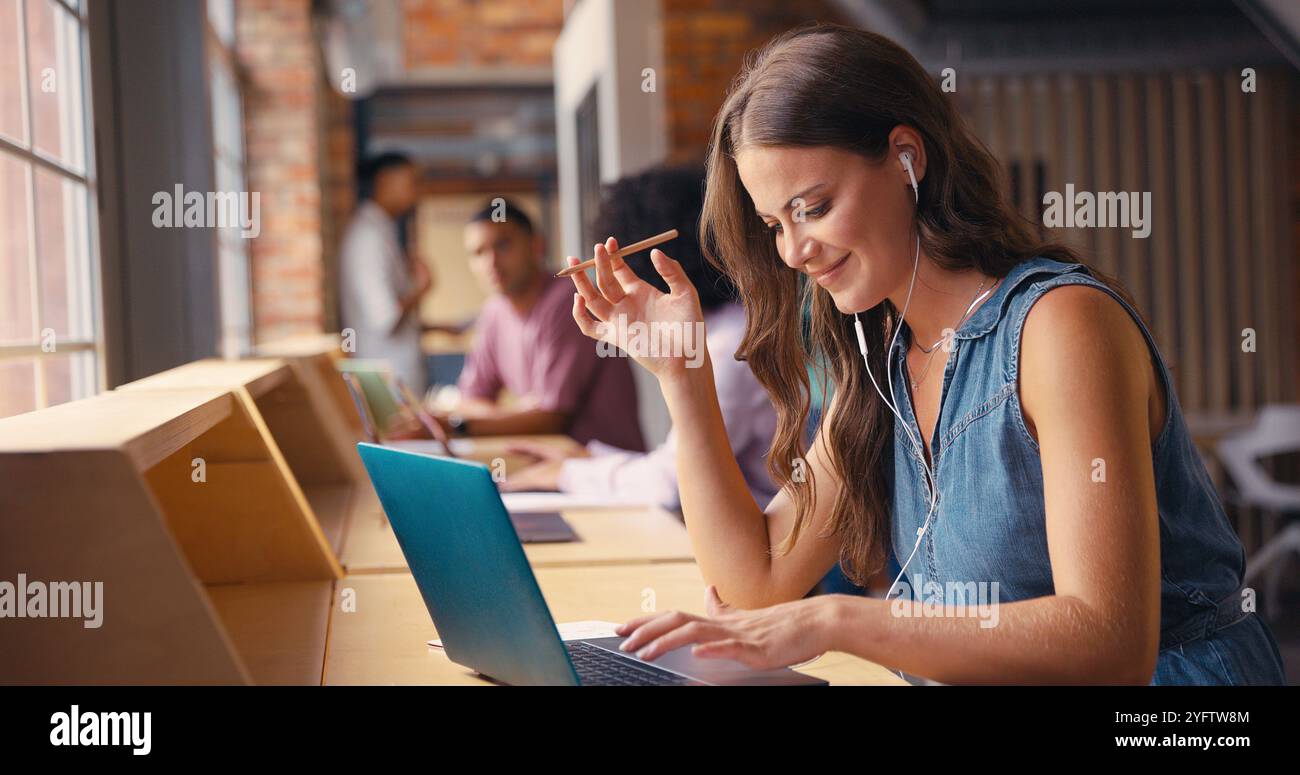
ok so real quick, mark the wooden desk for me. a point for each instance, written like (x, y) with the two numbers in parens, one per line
(302, 346)
(447, 343)
(489, 449)
(607, 537)
(383, 640)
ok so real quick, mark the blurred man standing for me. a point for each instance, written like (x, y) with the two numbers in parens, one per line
(527, 345)
(380, 286)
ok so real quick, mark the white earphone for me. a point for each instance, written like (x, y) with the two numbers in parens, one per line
(906, 158)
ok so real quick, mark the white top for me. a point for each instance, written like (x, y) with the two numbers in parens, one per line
(651, 477)
(373, 276)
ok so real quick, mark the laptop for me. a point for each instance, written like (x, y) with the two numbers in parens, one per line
(416, 408)
(534, 527)
(372, 377)
(368, 424)
(470, 567)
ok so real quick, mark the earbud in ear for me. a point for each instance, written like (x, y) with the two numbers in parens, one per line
(906, 158)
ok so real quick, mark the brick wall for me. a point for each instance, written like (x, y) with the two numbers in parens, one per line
(301, 141)
(338, 189)
(481, 33)
(279, 59)
(300, 137)
(705, 42)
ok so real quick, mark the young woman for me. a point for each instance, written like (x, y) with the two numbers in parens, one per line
(1001, 417)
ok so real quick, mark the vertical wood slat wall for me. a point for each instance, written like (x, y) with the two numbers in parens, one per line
(1220, 256)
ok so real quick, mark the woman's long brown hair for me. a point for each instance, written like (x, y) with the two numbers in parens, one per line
(845, 88)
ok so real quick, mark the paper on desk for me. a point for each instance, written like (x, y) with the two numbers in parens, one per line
(571, 631)
(559, 501)
(522, 501)
(462, 447)
(427, 446)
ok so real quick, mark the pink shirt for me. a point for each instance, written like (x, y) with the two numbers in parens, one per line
(548, 363)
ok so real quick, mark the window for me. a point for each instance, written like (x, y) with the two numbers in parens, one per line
(228, 162)
(50, 342)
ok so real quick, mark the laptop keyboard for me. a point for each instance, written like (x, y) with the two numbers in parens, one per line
(598, 667)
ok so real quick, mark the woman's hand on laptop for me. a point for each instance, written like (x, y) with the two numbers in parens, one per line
(609, 310)
(764, 638)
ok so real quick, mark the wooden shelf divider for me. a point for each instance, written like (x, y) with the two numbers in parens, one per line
(303, 419)
(181, 504)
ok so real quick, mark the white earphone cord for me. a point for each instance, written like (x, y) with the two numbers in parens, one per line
(892, 404)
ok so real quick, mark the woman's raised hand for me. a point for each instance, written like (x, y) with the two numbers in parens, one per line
(664, 332)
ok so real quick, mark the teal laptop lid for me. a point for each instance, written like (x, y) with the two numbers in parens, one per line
(469, 565)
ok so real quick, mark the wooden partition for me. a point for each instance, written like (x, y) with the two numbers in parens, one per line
(317, 354)
(303, 419)
(179, 503)
(315, 357)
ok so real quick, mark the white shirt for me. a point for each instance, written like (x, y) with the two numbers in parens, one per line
(373, 277)
(651, 477)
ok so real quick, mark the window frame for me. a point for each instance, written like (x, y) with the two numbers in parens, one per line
(235, 339)
(34, 159)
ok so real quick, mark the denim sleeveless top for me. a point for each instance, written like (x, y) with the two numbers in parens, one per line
(990, 521)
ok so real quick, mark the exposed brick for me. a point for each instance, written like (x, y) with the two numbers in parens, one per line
(505, 33)
(300, 142)
(705, 43)
(275, 48)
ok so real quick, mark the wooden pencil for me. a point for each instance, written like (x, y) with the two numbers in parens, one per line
(635, 247)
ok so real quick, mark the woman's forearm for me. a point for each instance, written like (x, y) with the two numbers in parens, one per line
(1056, 639)
(728, 530)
